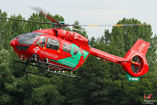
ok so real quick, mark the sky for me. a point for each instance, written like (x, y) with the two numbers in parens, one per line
(88, 12)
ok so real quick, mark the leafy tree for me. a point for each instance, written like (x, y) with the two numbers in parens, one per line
(6, 77)
(96, 81)
(123, 38)
(79, 29)
(100, 82)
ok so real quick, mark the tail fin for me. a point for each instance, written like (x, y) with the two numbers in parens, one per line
(138, 65)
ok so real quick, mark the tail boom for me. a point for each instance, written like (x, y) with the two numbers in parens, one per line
(137, 52)
(106, 56)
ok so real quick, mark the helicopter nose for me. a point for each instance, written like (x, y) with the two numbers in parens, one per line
(12, 43)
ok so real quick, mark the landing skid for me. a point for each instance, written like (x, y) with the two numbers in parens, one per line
(46, 67)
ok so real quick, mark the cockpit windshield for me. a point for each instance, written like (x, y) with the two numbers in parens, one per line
(29, 38)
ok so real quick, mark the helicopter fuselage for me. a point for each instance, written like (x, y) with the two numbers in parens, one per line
(69, 50)
(64, 48)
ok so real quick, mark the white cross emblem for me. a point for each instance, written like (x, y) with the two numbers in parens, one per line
(36, 49)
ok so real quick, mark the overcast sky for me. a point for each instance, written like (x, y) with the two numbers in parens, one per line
(102, 12)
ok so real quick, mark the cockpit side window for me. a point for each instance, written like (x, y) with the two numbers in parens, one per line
(29, 38)
(41, 42)
(52, 44)
(66, 48)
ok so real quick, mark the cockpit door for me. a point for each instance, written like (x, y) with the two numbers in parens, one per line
(39, 47)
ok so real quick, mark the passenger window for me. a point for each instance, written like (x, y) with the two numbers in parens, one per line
(66, 48)
(75, 50)
(41, 42)
(52, 44)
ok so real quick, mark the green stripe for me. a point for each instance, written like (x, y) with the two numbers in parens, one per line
(74, 59)
(85, 54)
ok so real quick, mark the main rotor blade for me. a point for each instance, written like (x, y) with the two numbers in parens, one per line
(119, 25)
(26, 20)
(57, 23)
(116, 25)
(46, 15)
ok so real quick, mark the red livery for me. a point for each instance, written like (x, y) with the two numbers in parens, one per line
(60, 49)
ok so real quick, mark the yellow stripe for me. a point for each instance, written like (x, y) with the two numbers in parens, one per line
(140, 24)
(93, 25)
(118, 25)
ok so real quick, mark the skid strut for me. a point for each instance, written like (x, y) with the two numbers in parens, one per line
(41, 64)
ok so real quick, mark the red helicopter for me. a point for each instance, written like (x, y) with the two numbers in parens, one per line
(62, 50)
(150, 96)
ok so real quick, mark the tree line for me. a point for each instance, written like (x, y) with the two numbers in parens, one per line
(100, 83)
